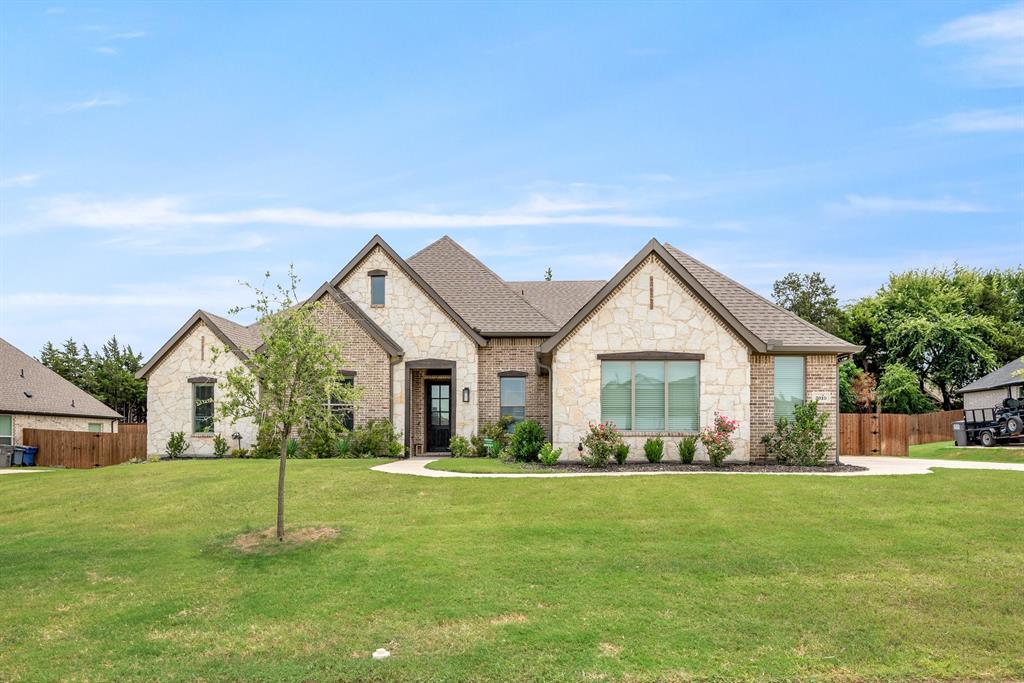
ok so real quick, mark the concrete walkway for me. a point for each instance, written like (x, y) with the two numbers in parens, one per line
(876, 466)
(21, 470)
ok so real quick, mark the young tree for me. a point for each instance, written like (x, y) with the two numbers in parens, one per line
(812, 298)
(548, 275)
(285, 384)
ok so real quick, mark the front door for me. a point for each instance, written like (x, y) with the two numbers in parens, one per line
(438, 414)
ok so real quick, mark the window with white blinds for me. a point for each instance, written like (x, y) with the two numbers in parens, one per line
(651, 396)
(790, 387)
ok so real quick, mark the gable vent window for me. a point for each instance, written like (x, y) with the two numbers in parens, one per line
(378, 286)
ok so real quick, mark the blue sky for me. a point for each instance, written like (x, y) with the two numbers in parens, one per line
(152, 155)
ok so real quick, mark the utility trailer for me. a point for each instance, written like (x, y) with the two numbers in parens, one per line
(989, 426)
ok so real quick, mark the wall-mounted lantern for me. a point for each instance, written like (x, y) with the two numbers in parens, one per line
(465, 395)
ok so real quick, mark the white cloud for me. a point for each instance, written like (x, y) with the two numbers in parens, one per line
(106, 50)
(538, 202)
(128, 35)
(197, 243)
(95, 102)
(22, 180)
(980, 121)
(995, 41)
(163, 212)
(854, 203)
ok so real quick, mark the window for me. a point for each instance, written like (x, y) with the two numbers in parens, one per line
(789, 385)
(95, 427)
(202, 408)
(343, 410)
(651, 395)
(6, 430)
(377, 289)
(513, 398)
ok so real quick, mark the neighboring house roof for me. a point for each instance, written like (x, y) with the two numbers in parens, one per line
(1003, 377)
(378, 242)
(28, 387)
(483, 299)
(239, 339)
(760, 323)
(558, 300)
(364, 321)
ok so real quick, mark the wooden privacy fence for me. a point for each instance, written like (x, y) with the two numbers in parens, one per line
(82, 450)
(891, 434)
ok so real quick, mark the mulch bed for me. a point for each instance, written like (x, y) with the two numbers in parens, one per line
(695, 467)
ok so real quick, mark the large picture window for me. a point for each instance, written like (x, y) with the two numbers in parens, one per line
(6, 430)
(513, 397)
(651, 395)
(790, 387)
(202, 408)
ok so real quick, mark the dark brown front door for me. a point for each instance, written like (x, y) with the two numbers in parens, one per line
(438, 414)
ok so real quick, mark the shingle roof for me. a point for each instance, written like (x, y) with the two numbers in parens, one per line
(558, 300)
(245, 337)
(239, 339)
(997, 378)
(771, 323)
(477, 294)
(50, 394)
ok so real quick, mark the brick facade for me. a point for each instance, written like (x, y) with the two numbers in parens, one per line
(513, 353)
(364, 356)
(820, 381)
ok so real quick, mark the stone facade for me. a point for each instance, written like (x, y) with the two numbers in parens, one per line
(364, 356)
(635, 318)
(72, 424)
(515, 354)
(422, 329)
(169, 393)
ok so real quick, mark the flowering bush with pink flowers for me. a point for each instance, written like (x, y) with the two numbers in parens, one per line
(717, 439)
(600, 442)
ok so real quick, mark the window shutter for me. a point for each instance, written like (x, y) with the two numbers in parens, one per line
(684, 396)
(789, 385)
(650, 395)
(616, 394)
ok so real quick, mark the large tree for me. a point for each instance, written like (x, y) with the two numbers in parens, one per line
(108, 374)
(286, 384)
(812, 298)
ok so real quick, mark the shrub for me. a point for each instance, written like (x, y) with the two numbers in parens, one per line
(621, 453)
(654, 449)
(266, 445)
(717, 439)
(527, 440)
(322, 439)
(801, 441)
(239, 452)
(549, 455)
(899, 391)
(293, 450)
(377, 438)
(600, 443)
(220, 446)
(459, 446)
(176, 445)
(687, 449)
(496, 432)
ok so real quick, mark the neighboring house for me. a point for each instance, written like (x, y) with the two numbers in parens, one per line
(440, 344)
(990, 390)
(32, 396)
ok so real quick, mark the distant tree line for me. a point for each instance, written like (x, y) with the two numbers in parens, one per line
(926, 333)
(107, 374)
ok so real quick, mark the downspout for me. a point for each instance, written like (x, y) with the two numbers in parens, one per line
(839, 361)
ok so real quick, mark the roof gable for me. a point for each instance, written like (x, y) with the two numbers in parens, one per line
(390, 346)
(239, 339)
(483, 299)
(378, 243)
(29, 387)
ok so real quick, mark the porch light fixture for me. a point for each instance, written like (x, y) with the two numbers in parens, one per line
(465, 395)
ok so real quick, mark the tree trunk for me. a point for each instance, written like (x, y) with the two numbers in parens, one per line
(280, 486)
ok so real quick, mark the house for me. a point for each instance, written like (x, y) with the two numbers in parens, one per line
(990, 390)
(441, 344)
(32, 396)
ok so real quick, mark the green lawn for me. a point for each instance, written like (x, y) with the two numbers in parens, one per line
(482, 465)
(121, 574)
(945, 450)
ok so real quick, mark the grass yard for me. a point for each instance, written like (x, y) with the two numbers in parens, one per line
(482, 466)
(945, 450)
(123, 573)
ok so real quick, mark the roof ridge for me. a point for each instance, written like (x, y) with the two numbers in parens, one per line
(750, 291)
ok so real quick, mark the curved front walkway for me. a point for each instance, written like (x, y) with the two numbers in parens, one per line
(876, 466)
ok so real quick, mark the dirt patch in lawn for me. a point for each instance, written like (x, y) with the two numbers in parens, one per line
(266, 540)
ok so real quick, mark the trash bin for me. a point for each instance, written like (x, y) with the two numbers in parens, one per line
(960, 433)
(19, 454)
(29, 458)
(6, 455)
